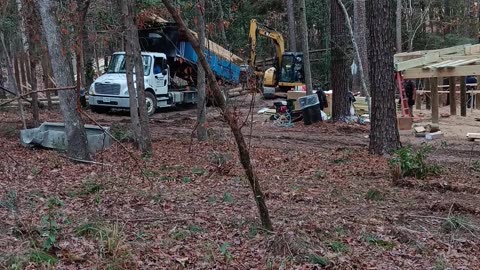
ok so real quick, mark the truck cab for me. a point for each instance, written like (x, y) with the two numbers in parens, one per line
(111, 91)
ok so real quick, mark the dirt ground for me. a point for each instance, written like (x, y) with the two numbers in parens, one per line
(190, 207)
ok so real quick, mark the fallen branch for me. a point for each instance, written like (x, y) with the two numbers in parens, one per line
(87, 161)
(38, 91)
(14, 160)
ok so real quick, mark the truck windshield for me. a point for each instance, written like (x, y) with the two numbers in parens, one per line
(117, 64)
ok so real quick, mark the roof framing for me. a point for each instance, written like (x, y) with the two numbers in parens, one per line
(463, 60)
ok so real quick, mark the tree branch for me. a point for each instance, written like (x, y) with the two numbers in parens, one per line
(38, 91)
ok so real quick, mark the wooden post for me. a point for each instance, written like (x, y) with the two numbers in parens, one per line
(427, 97)
(418, 99)
(434, 92)
(453, 96)
(463, 97)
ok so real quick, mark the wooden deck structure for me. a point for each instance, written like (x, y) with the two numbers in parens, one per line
(454, 63)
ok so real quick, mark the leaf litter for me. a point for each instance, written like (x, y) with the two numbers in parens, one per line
(190, 206)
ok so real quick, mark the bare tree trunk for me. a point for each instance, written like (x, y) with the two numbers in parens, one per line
(230, 118)
(3, 94)
(33, 84)
(82, 6)
(358, 58)
(30, 17)
(201, 100)
(14, 81)
(398, 28)
(138, 107)
(384, 136)
(222, 21)
(338, 63)
(292, 33)
(129, 66)
(306, 52)
(69, 103)
(46, 79)
(360, 34)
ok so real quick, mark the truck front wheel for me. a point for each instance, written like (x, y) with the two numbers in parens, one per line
(151, 102)
(99, 109)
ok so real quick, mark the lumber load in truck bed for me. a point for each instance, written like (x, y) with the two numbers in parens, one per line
(210, 45)
(159, 35)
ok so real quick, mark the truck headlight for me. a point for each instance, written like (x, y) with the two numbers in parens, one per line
(91, 90)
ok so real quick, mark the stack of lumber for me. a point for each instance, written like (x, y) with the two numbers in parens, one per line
(212, 46)
(361, 106)
(235, 92)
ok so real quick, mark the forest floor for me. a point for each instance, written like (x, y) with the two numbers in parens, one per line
(190, 207)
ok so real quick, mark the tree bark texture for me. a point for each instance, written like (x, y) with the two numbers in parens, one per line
(305, 49)
(133, 60)
(360, 32)
(398, 26)
(292, 33)
(384, 136)
(230, 117)
(69, 103)
(338, 63)
(201, 98)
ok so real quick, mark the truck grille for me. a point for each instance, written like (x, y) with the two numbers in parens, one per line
(107, 89)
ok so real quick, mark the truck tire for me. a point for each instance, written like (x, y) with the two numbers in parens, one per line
(151, 103)
(99, 109)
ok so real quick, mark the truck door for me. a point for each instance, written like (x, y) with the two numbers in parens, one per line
(160, 76)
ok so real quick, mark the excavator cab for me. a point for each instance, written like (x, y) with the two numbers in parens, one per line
(291, 69)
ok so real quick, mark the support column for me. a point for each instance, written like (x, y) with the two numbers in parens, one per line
(453, 96)
(463, 97)
(418, 100)
(428, 96)
(434, 92)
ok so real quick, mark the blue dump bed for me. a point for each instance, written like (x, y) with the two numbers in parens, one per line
(182, 58)
(223, 68)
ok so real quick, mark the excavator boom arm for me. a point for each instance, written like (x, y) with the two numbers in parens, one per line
(257, 29)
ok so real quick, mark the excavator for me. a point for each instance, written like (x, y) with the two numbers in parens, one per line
(287, 71)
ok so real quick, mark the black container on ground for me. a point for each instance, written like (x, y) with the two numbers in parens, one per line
(312, 114)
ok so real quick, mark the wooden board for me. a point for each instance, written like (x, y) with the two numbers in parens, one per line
(420, 73)
(473, 136)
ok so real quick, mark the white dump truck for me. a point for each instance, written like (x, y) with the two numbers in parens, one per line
(110, 90)
(166, 55)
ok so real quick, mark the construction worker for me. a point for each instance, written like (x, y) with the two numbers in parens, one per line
(410, 92)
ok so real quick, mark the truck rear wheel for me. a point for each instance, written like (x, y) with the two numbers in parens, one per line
(151, 103)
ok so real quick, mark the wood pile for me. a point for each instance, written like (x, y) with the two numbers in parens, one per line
(236, 92)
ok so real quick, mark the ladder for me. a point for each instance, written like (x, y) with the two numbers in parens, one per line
(403, 96)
